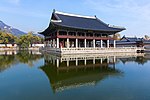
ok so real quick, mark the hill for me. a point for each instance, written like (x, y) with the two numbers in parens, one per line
(10, 29)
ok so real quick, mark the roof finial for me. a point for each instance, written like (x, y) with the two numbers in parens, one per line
(95, 16)
(53, 10)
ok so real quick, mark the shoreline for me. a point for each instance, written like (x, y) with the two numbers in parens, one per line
(17, 48)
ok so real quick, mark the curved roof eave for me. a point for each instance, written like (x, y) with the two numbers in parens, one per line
(116, 30)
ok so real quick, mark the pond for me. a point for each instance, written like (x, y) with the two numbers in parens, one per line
(31, 75)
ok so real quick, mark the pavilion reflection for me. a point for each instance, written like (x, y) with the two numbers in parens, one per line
(139, 59)
(72, 71)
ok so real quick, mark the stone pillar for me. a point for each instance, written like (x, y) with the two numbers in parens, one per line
(85, 61)
(85, 43)
(67, 42)
(107, 43)
(114, 43)
(67, 63)
(57, 63)
(93, 43)
(107, 60)
(94, 60)
(76, 43)
(101, 60)
(76, 62)
(57, 42)
(114, 59)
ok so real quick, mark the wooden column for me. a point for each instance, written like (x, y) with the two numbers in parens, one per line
(85, 43)
(93, 43)
(107, 43)
(76, 43)
(101, 43)
(114, 43)
(57, 42)
(67, 42)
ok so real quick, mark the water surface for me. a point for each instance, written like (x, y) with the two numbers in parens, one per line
(30, 75)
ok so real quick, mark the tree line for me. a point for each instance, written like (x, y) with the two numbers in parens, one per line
(23, 41)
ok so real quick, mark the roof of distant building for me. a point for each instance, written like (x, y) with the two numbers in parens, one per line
(131, 39)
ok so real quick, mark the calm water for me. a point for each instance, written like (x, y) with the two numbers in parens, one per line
(33, 76)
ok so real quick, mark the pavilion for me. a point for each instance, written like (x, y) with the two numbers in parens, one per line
(71, 33)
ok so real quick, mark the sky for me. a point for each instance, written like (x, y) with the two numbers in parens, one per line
(34, 15)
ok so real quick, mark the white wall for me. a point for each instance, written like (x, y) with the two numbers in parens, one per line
(8, 45)
(15, 45)
(37, 45)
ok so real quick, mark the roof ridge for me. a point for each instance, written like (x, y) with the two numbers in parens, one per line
(75, 15)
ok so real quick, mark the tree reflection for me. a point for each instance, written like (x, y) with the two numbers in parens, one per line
(26, 57)
(6, 61)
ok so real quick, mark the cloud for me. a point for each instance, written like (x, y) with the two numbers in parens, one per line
(133, 14)
(16, 2)
(138, 9)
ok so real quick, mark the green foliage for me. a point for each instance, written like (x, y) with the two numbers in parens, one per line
(32, 38)
(6, 38)
(23, 41)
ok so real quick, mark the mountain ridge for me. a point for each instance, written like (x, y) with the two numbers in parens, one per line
(10, 29)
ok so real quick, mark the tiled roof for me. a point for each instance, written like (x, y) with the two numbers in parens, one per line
(82, 22)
